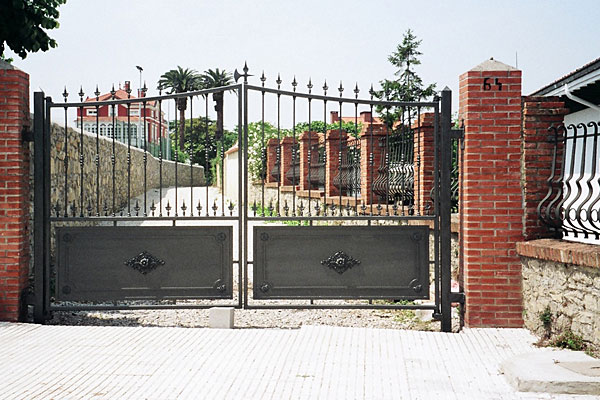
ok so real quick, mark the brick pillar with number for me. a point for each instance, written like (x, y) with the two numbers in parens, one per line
(14, 190)
(332, 156)
(272, 145)
(424, 150)
(490, 103)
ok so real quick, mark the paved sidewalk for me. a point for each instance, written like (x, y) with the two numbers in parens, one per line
(314, 362)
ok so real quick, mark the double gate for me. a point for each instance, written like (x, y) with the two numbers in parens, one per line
(117, 226)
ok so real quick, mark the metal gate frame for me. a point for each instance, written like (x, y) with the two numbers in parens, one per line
(440, 218)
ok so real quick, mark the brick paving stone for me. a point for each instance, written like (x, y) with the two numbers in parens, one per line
(314, 362)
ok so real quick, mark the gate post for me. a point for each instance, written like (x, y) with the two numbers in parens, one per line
(333, 158)
(492, 215)
(445, 253)
(424, 150)
(14, 190)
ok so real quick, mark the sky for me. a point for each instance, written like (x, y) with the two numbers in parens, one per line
(100, 42)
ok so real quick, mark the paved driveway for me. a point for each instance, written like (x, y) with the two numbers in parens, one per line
(314, 362)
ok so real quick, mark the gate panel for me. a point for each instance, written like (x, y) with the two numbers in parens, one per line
(333, 262)
(128, 263)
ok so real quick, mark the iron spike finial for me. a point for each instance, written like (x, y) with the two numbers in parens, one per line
(263, 78)
(112, 91)
(356, 90)
(97, 92)
(310, 85)
(144, 88)
(371, 91)
(294, 83)
(341, 88)
(325, 87)
(245, 75)
(245, 69)
(65, 94)
(81, 93)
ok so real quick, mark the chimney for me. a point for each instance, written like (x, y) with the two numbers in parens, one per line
(127, 85)
(366, 116)
(334, 117)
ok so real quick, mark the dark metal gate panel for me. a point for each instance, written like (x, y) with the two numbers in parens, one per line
(118, 263)
(329, 262)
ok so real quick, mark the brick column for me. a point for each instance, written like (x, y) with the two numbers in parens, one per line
(490, 103)
(332, 155)
(539, 114)
(271, 158)
(424, 150)
(306, 138)
(370, 159)
(286, 159)
(14, 190)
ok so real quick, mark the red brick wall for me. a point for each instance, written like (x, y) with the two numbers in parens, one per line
(308, 139)
(370, 160)
(492, 199)
(14, 191)
(332, 156)
(424, 150)
(272, 147)
(539, 114)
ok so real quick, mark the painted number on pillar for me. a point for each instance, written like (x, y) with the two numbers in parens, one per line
(487, 85)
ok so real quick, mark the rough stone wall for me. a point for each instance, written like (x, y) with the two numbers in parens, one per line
(571, 291)
(90, 185)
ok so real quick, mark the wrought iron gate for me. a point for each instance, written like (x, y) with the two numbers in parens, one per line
(333, 223)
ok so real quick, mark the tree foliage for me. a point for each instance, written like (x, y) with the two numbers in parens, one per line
(203, 149)
(23, 25)
(407, 86)
(212, 79)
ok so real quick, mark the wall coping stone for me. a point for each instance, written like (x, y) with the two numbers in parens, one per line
(563, 251)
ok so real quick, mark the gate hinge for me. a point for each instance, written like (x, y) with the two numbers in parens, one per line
(26, 134)
(457, 297)
(457, 133)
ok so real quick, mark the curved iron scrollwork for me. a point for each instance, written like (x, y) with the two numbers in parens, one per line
(144, 262)
(340, 262)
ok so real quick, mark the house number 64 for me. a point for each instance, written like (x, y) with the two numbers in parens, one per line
(488, 86)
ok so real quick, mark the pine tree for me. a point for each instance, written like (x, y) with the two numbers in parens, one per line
(408, 86)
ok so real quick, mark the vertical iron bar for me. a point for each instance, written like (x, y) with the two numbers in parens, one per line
(436, 204)
(145, 136)
(446, 153)
(113, 161)
(294, 153)
(327, 176)
(206, 145)
(340, 180)
(417, 195)
(222, 169)
(97, 156)
(176, 152)
(129, 155)
(371, 157)
(191, 154)
(310, 155)
(81, 206)
(243, 194)
(281, 175)
(66, 162)
(160, 157)
(387, 164)
(264, 164)
(356, 159)
(46, 207)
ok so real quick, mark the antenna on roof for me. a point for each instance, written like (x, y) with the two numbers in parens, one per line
(516, 60)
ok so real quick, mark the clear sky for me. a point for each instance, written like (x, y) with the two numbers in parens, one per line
(101, 41)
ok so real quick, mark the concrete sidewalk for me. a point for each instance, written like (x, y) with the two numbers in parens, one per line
(314, 362)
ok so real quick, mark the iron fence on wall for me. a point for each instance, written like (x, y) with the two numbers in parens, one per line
(571, 207)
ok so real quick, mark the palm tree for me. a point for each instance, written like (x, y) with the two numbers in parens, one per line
(179, 81)
(213, 79)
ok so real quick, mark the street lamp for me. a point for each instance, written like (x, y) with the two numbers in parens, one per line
(140, 129)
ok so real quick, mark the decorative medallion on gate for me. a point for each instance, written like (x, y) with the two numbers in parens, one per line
(144, 262)
(340, 262)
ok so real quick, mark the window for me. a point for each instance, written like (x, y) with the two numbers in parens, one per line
(134, 112)
(113, 111)
(91, 111)
(109, 131)
(103, 130)
(93, 128)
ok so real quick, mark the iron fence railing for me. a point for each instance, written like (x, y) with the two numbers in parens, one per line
(347, 179)
(571, 207)
(395, 179)
(316, 173)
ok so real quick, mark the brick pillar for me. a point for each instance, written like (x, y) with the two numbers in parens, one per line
(305, 139)
(490, 103)
(286, 159)
(14, 190)
(332, 157)
(370, 159)
(271, 158)
(539, 114)
(424, 150)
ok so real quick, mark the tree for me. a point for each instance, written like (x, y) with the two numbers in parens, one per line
(213, 79)
(180, 81)
(23, 24)
(408, 86)
(201, 145)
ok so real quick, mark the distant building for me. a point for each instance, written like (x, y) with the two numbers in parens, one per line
(132, 128)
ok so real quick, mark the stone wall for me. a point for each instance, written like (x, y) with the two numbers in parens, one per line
(105, 168)
(552, 278)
